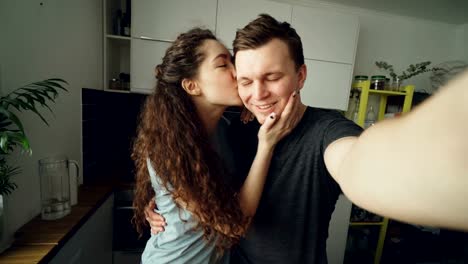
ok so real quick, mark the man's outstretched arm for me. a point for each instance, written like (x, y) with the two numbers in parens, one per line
(413, 168)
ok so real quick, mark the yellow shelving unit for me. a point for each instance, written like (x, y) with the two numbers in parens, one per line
(364, 89)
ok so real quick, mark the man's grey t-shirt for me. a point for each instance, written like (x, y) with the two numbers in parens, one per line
(291, 223)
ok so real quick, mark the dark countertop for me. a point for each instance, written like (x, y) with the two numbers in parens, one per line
(38, 241)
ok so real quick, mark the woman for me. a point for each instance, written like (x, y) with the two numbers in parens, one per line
(177, 164)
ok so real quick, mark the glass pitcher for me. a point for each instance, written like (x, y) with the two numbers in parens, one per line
(55, 186)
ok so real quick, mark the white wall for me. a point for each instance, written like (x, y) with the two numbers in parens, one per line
(61, 38)
(399, 40)
(462, 41)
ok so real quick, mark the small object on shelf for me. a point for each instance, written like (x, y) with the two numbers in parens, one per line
(114, 84)
(359, 80)
(396, 85)
(117, 23)
(125, 29)
(355, 114)
(388, 87)
(377, 82)
(371, 117)
(353, 97)
(125, 80)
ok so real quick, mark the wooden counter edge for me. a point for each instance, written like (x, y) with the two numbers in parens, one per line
(32, 251)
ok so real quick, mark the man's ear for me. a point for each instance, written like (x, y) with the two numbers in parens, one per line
(302, 75)
(191, 87)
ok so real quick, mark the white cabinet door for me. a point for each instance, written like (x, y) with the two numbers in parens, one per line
(338, 230)
(145, 55)
(233, 15)
(166, 19)
(326, 35)
(327, 84)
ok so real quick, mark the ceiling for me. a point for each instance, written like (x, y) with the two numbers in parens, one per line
(448, 11)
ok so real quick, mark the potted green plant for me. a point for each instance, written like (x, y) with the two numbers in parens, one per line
(12, 134)
(412, 70)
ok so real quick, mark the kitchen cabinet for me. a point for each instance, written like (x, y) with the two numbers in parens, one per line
(329, 40)
(146, 54)
(327, 84)
(326, 35)
(92, 243)
(233, 15)
(116, 49)
(166, 19)
(338, 230)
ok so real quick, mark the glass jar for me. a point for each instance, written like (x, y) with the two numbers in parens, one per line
(388, 85)
(396, 85)
(377, 82)
(55, 186)
(359, 80)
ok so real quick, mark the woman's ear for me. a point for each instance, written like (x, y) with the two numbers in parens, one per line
(191, 87)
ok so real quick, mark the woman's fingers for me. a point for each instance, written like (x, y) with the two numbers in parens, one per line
(291, 114)
(155, 220)
(269, 121)
(290, 106)
(149, 212)
(276, 127)
(156, 231)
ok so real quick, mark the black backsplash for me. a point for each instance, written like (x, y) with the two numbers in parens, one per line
(109, 126)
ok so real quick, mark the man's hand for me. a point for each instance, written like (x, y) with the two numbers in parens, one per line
(155, 220)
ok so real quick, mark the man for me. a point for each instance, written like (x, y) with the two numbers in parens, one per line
(408, 168)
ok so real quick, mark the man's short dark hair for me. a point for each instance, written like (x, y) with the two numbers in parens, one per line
(265, 28)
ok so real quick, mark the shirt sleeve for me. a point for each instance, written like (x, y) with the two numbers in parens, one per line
(338, 126)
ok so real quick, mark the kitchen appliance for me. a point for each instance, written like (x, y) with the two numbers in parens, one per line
(55, 178)
(127, 245)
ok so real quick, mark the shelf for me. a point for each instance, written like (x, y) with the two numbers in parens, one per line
(118, 37)
(383, 92)
(366, 223)
(116, 91)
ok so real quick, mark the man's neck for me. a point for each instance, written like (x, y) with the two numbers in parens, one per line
(302, 109)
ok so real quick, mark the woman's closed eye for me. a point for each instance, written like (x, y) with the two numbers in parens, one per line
(245, 83)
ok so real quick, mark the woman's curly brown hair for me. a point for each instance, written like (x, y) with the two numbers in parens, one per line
(170, 134)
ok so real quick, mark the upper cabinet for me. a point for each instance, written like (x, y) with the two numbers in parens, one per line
(233, 15)
(166, 19)
(146, 54)
(329, 40)
(116, 40)
(327, 84)
(326, 35)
